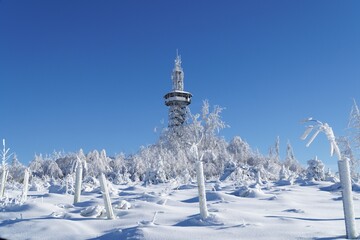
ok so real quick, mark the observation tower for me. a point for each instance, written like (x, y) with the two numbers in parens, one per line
(177, 100)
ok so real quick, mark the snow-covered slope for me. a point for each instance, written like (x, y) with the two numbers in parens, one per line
(169, 211)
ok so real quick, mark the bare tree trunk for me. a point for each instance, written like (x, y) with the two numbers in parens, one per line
(346, 187)
(201, 188)
(78, 181)
(3, 182)
(107, 202)
(25, 186)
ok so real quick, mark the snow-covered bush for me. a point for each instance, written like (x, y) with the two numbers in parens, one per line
(284, 173)
(16, 170)
(315, 170)
(38, 184)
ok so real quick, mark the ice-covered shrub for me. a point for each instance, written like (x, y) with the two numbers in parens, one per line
(123, 204)
(315, 170)
(284, 173)
(250, 192)
(38, 184)
(93, 211)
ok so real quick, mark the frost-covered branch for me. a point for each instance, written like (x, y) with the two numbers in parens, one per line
(4, 154)
(325, 128)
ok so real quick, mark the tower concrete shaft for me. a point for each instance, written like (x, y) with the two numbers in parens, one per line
(177, 100)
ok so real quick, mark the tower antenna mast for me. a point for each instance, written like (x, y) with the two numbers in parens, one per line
(177, 100)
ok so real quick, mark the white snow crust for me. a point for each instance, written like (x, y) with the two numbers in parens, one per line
(171, 211)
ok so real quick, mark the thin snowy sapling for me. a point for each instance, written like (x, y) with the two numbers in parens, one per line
(4, 157)
(350, 145)
(200, 181)
(344, 172)
(26, 185)
(79, 164)
(354, 125)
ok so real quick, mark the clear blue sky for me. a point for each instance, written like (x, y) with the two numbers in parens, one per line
(92, 74)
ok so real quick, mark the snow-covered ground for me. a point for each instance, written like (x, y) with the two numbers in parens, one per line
(170, 211)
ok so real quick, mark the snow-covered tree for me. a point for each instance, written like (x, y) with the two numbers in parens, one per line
(271, 162)
(239, 150)
(66, 163)
(36, 166)
(173, 146)
(290, 161)
(4, 171)
(354, 124)
(350, 145)
(16, 170)
(344, 172)
(119, 169)
(98, 163)
(315, 169)
(347, 151)
(284, 173)
(212, 124)
(52, 170)
(277, 149)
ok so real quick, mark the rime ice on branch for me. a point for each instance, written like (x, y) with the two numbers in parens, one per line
(177, 100)
(344, 172)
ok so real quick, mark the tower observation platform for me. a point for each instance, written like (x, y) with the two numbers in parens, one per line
(177, 100)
